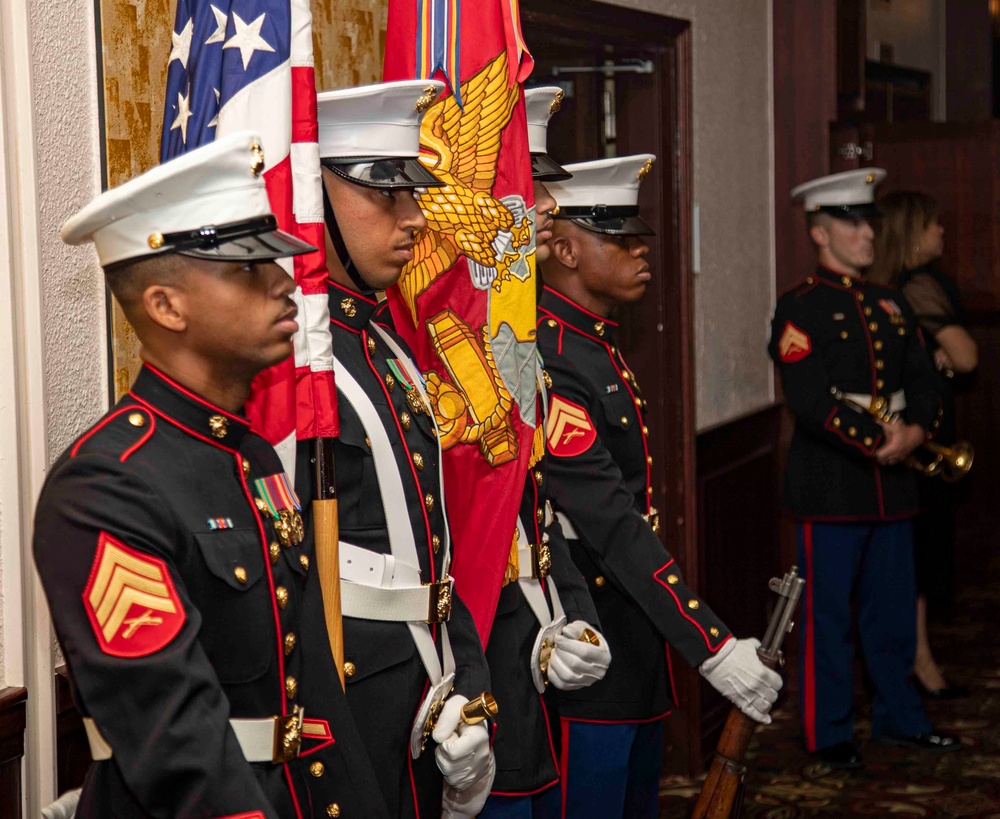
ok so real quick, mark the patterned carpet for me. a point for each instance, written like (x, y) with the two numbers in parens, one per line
(784, 782)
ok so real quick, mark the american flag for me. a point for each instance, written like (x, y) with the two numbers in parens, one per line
(248, 64)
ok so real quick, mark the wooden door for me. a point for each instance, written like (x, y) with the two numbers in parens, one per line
(616, 114)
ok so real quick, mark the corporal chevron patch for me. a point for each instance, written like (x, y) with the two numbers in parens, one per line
(570, 431)
(794, 344)
(131, 601)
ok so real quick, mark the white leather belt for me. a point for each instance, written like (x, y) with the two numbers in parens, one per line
(399, 575)
(378, 587)
(897, 401)
(268, 739)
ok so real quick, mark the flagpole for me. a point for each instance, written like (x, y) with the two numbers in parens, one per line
(328, 547)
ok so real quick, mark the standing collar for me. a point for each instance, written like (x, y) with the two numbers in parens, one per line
(349, 308)
(184, 409)
(579, 318)
(839, 279)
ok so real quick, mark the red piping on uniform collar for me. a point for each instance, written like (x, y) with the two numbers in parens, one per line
(824, 272)
(354, 294)
(194, 397)
(572, 303)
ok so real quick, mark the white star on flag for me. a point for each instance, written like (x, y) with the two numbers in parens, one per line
(183, 115)
(247, 38)
(181, 47)
(215, 120)
(219, 35)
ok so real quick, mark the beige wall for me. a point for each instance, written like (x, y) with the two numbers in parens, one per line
(733, 173)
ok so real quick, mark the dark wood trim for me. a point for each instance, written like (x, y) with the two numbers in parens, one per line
(13, 721)
(72, 748)
(601, 21)
(739, 540)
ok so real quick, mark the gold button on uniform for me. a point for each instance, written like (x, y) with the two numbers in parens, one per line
(281, 595)
(868, 311)
(246, 467)
(429, 502)
(539, 477)
(878, 344)
(435, 543)
(852, 431)
(868, 441)
(333, 810)
(317, 769)
(645, 430)
(673, 579)
(552, 322)
(873, 326)
(275, 552)
(845, 280)
(879, 364)
(902, 331)
(843, 333)
(390, 382)
(418, 461)
(291, 687)
(241, 574)
(624, 421)
(693, 604)
(304, 561)
(836, 422)
(137, 419)
(880, 383)
(599, 581)
(404, 419)
(261, 506)
(649, 460)
(348, 307)
(599, 328)
(368, 442)
(713, 631)
(371, 346)
(289, 643)
(859, 296)
(349, 669)
(539, 515)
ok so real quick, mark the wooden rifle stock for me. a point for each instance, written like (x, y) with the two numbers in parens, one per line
(721, 796)
(327, 531)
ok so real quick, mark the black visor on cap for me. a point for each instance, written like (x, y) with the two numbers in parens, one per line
(617, 220)
(851, 213)
(381, 172)
(545, 169)
(249, 239)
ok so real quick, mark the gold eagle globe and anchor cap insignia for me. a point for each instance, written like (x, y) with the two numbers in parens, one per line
(490, 368)
(603, 195)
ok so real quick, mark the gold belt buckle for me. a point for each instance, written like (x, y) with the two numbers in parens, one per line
(541, 558)
(439, 601)
(287, 736)
(432, 718)
(653, 519)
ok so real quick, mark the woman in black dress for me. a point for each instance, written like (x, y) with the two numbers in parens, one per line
(909, 244)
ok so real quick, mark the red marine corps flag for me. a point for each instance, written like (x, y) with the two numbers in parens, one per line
(466, 303)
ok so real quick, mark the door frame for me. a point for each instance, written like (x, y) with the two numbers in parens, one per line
(667, 41)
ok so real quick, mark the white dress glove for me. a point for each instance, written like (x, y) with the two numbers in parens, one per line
(468, 803)
(736, 672)
(463, 753)
(575, 663)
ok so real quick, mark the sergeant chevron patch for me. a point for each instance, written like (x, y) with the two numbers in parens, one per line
(794, 344)
(131, 601)
(570, 431)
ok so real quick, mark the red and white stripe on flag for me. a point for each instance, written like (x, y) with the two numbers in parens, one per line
(297, 399)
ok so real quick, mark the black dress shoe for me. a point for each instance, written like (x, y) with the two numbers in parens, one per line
(941, 743)
(949, 692)
(844, 755)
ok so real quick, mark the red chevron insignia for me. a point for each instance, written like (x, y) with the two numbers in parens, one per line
(131, 601)
(570, 431)
(794, 344)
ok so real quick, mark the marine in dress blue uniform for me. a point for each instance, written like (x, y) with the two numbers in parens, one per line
(169, 540)
(545, 607)
(402, 665)
(600, 484)
(840, 342)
